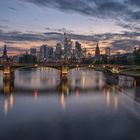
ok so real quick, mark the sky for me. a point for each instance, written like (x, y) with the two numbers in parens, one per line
(31, 23)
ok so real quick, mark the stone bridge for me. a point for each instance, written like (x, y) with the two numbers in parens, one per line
(9, 68)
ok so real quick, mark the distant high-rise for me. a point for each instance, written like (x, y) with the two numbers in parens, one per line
(5, 52)
(49, 53)
(43, 52)
(67, 47)
(46, 52)
(107, 51)
(58, 51)
(78, 49)
(97, 51)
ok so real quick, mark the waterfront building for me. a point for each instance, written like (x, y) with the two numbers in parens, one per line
(49, 53)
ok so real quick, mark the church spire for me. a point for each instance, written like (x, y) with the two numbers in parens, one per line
(97, 51)
(5, 52)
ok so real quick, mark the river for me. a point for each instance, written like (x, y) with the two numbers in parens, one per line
(90, 105)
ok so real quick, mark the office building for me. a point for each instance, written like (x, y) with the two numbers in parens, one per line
(49, 53)
(58, 51)
(78, 50)
(67, 48)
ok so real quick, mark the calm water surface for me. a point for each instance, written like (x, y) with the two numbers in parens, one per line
(89, 106)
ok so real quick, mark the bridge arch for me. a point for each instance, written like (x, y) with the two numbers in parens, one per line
(26, 67)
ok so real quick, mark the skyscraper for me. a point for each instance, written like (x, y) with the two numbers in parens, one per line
(58, 51)
(43, 52)
(67, 47)
(78, 50)
(49, 53)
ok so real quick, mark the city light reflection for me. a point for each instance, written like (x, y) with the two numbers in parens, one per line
(36, 94)
(11, 101)
(116, 103)
(108, 98)
(5, 106)
(77, 92)
(63, 103)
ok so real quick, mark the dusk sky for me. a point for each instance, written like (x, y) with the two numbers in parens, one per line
(30, 23)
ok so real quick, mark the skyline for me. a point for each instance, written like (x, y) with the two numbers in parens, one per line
(113, 23)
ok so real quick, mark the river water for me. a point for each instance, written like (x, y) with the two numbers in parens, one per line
(90, 105)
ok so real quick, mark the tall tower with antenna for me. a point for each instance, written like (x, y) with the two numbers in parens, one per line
(67, 47)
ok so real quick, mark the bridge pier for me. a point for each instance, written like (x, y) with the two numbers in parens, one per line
(8, 85)
(64, 73)
(8, 74)
(8, 79)
(64, 86)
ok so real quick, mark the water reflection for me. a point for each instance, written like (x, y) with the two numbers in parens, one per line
(5, 106)
(8, 86)
(116, 102)
(88, 102)
(63, 102)
(8, 103)
(39, 81)
(137, 90)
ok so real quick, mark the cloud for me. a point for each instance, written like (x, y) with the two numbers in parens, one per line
(59, 30)
(4, 20)
(127, 45)
(131, 27)
(115, 9)
(21, 5)
(125, 41)
(4, 26)
(134, 2)
(12, 8)
(10, 48)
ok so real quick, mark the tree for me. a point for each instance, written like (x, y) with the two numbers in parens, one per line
(136, 56)
(27, 59)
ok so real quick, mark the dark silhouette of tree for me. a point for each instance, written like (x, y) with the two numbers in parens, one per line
(136, 56)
